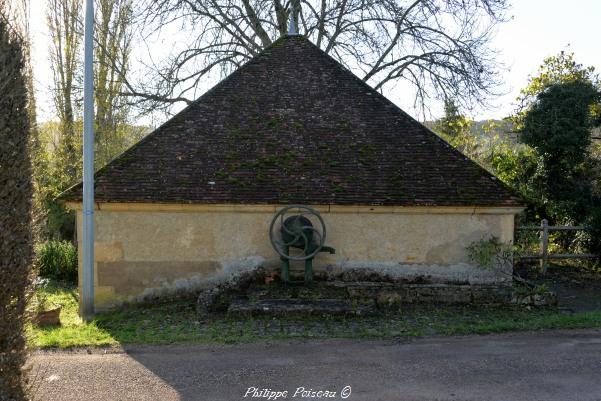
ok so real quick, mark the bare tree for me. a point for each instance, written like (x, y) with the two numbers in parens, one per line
(441, 47)
(64, 26)
(15, 14)
(60, 165)
(113, 38)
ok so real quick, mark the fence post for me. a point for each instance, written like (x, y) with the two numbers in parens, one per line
(544, 245)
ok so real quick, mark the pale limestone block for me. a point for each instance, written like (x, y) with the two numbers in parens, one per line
(108, 251)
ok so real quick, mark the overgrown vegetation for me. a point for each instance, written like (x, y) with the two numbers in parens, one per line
(57, 260)
(491, 253)
(16, 192)
(551, 162)
(558, 126)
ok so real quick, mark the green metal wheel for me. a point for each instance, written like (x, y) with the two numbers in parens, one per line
(297, 231)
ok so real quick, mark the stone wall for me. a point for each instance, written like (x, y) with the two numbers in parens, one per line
(145, 250)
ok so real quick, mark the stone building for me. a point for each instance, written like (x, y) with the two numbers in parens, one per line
(192, 202)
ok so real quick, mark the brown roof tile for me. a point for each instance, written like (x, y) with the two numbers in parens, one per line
(294, 126)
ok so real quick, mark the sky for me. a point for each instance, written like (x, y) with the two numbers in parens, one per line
(536, 29)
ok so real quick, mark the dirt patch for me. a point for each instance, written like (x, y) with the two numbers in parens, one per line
(578, 287)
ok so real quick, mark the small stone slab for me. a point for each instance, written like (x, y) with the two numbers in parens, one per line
(300, 306)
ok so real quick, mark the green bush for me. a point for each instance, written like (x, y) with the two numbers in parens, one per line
(491, 253)
(57, 260)
(16, 192)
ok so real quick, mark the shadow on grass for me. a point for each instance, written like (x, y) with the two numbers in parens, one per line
(188, 369)
(191, 370)
(177, 322)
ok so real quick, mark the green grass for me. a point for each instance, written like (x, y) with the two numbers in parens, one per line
(73, 331)
(176, 322)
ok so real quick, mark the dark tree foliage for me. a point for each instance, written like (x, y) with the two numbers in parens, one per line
(558, 126)
(453, 122)
(559, 123)
(15, 210)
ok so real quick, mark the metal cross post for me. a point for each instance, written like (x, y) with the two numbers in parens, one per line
(87, 279)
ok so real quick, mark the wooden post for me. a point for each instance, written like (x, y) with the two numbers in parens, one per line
(544, 245)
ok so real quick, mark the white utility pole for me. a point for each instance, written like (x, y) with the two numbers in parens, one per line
(87, 288)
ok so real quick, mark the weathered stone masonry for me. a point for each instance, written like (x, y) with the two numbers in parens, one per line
(142, 252)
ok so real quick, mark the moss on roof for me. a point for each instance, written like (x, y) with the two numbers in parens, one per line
(294, 126)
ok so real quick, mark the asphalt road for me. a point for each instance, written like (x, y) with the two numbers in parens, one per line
(542, 366)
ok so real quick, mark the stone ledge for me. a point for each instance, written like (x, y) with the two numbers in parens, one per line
(457, 274)
(398, 293)
(301, 306)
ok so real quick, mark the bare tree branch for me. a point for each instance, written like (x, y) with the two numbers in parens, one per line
(442, 47)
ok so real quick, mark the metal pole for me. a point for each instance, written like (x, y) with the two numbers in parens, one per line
(87, 289)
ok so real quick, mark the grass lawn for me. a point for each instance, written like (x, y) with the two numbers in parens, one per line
(176, 322)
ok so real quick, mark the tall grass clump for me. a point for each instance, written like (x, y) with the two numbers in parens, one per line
(57, 260)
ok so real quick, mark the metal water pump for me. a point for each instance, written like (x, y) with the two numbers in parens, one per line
(298, 238)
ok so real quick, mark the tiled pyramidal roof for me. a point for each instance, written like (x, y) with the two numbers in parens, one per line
(294, 126)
